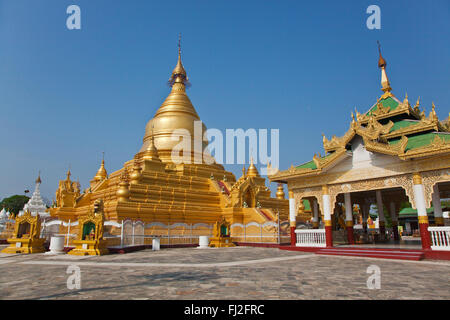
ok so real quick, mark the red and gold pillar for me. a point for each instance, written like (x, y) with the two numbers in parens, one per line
(292, 220)
(349, 218)
(327, 216)
(419, 199)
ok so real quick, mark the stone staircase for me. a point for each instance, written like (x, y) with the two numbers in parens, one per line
(399, 254)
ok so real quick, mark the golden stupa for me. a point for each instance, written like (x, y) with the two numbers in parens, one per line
(154, 187)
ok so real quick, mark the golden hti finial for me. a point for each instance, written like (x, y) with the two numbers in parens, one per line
(385, 85)
(179, 73)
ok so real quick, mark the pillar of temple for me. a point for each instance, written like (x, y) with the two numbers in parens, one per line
(327, 216)
(292, 220)
(419, 199)
(349, 218)
(394, 220)
(315, 208)
(365, 208)
(381, 220)
(438, 216)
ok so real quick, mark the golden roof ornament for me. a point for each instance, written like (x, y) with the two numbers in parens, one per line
(151, 152)
(101, 173)
(252, 171)
(385, 85)
(416, 107)
(280, 192)
(405, 101)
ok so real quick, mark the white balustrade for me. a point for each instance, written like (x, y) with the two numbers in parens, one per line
(311, 238)
(440, 238)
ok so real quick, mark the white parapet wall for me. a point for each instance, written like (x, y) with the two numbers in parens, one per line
(311, 238)
(440, 238)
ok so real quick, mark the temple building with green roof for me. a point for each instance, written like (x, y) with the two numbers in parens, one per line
(392, 153)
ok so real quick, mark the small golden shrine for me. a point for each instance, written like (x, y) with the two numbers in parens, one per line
(27, 233)
(221, 238)
(90, 235)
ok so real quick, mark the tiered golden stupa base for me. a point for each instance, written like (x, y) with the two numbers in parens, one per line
(89, 248)
(25, 246)
(221, 242)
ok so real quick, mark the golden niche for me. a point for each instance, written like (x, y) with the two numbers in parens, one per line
(90, 235)
(27, 233)
(221, 237)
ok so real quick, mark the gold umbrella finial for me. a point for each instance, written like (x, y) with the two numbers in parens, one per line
(385, 85)
(179, 73)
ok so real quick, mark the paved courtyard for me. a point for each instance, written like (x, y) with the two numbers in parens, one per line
(229, 273)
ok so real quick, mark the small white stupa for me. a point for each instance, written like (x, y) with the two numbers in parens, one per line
(3, 214)
(36, 205)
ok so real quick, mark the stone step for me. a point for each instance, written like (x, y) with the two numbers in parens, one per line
(415, 255)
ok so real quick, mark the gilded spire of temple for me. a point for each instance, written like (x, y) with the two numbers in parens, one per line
(385, 85)
(101, 173)
(151, 152)
(175, 113)
(179, 73)
(252, 171)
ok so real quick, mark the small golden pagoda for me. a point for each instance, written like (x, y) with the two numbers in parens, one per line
(155, 187)
(26, 237)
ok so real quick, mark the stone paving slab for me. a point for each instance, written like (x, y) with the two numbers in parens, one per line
(229, 273)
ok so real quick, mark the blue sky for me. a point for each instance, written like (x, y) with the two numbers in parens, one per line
(298, 66)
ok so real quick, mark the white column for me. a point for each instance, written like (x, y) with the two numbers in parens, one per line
(348, 207)
(438, 217)
(326, 207)
(419, 198)
(292, 209)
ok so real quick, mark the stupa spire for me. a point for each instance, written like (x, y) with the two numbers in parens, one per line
(385, 85)
(38, 180)
(101, 173)
(252, 171)
(179, 73)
